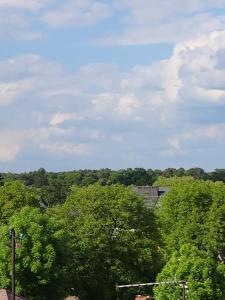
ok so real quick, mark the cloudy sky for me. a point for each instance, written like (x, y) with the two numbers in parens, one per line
(120, 83)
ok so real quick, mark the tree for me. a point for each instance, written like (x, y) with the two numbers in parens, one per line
(56, 191)
(41, 255)
(13, 196)
(40, 178)
(197, 173)
(184, 213)
(172, 181)
(169, 172)
(198, 268)
(192, 216)
(115, 239)
(217, 175)
(180, 172)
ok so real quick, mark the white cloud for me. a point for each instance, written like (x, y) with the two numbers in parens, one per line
(11, 143)
(31, 5)
(172, 103)
(9, 91)
(17, 25)
(103, 103)
(175, 147)
(66, 148)
(177, 144)
(213, 132)
(150, 21)
(60, 118)
(9, 152)
(77, 13)
(141, 22)
(23, 19)
(128, 104)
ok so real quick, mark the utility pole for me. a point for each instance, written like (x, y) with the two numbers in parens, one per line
(13, 243)
(184, 296)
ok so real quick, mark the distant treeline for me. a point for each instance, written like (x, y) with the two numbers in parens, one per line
(54, 186)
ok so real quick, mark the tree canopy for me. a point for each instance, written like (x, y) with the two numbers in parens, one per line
(41, 255)
(192, 218)
(97, 233)
(115, 239)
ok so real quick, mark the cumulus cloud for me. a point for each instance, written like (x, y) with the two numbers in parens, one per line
(213, 132)
(17, 25)
(60, 118)
(9, 91)
(8, 152)
(156, 108)
(128, 104)
(141, 22)
(182, 143)
(66, 148)
(147, 22)
(11, 143)
(77, 13)
(21, 19)
(32, 5)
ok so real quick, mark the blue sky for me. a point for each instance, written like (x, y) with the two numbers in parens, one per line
(117, 84)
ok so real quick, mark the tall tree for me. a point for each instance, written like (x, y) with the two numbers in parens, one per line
(115, 239)
(13, 196)
(198, 269)
(192, 216)
(41, 255)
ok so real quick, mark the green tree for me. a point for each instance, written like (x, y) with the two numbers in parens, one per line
(56, 191)
(196, 267)
(115, 239)
(41, 255)
(172, 181)
(197, 173)
(13, 196)
(169, 172)
(217, 175)
(184, 213)
(40, 178)
(193, 213)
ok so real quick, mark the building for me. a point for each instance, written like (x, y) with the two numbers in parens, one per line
(7, 295)
(151, 194)
(139, 297)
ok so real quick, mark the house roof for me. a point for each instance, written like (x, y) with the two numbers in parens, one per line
(7, 295)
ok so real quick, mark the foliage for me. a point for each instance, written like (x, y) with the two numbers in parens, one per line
(115, 239)
(196, 267)
(13, 196)
(104, 235)
(184, 213)
(171, 181)
(192, 219)
(41, 255)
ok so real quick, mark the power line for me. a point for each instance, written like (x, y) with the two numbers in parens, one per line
(182, 284)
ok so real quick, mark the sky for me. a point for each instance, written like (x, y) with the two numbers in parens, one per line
(90, 84)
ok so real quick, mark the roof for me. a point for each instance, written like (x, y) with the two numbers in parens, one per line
(7, 295)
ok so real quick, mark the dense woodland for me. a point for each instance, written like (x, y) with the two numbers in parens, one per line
(95, 233)
(54, 186)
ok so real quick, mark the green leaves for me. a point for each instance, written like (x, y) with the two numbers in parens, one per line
(13, 196)
(115, 239)
(38, 256)
(192, 217)
(197, 268)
